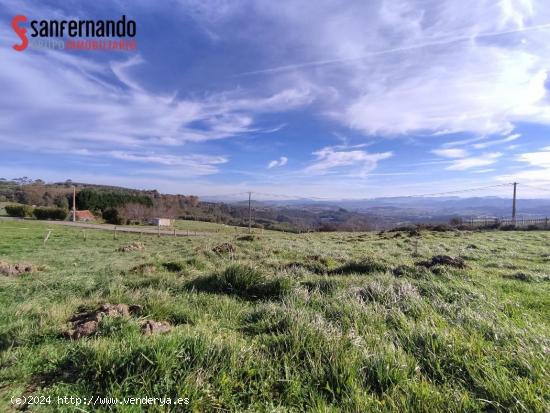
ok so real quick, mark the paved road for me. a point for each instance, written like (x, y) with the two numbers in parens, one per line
(109, 227)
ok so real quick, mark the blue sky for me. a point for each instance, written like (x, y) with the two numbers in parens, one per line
(337, 99)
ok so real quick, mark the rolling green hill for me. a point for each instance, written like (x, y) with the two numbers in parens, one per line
(280, 322)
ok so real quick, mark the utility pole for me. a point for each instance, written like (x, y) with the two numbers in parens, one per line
(74, 203)
(514, 204)
(250, 212)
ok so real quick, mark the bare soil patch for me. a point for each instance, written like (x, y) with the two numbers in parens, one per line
(86, 323)
(134, 246)
(447, 260)
(15, 270)
(149, 327)
(225, 248)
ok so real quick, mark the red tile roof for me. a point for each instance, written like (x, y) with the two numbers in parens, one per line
(84, 215)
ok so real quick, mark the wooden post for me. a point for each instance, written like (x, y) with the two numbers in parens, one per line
(514, 204)
(174, 232)
(47, 237)
(546, 223)
(249, 212)
(114, 232)
(74, 203)
(158, 232)
(84, 234)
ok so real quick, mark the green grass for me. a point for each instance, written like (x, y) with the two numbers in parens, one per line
(201, 226)
(311, 322)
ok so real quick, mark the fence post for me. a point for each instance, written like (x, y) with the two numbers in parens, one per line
(47, 237)
(114, 232)
(546, 223)
(158, 232)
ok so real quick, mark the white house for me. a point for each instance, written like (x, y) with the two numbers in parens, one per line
(161, 222)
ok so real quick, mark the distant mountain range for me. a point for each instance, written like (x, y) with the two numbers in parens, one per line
(414, 209)
(289, 215)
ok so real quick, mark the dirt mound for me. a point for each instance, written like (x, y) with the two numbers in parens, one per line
(134, 246)
(85, 324)
(15, 270)
(149, 327)
(225, 248)
(446, 260)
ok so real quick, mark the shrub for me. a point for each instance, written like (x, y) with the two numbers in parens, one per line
(111, 216)
(456, 221)
(19, 211)
(96, 200)
(244, 281)
(46, 213)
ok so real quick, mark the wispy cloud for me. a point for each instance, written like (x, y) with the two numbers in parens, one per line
(411, 66)
(496, 142)
(193, 164)
(537, 172)
(78, 102)
(361, 162)
(443, 41)
(540, 159)
(282, 161)
(474, 162)
(450, 153)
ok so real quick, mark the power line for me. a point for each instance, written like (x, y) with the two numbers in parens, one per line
(536, 187)
(402, 196)
(481, 188)
(432, 194)
(293, 196)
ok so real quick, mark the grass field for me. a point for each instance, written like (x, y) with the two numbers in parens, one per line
(313, 322)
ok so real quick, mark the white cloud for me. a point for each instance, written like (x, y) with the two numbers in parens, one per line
(539, 159)
(75, 100)
(359, 162)
(537, 173)
(405, 66)
(450, 153)
(198, 164)
(282, 161)
(474, 162)
(487, 144)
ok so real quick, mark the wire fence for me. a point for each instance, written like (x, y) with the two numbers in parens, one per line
(542, 223)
